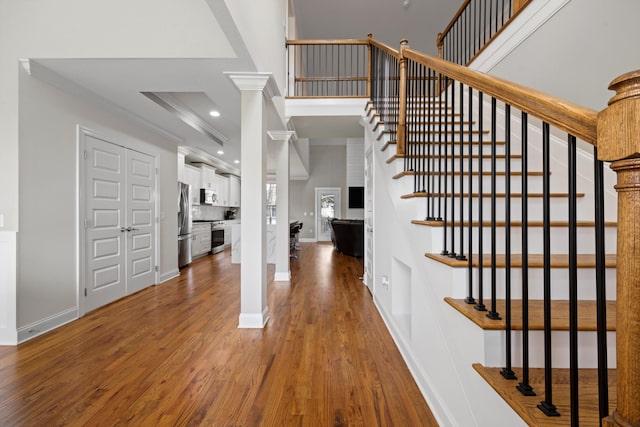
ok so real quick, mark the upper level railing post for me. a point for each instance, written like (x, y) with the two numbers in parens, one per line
(619, 141)
(440, 44)
(402, 99)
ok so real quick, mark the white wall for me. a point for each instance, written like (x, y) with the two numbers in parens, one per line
(355, 172)
(47, 253)
(578, 52)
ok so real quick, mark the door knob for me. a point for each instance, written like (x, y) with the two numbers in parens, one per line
(122, 229)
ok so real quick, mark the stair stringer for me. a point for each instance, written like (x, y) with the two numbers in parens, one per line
(429, 345)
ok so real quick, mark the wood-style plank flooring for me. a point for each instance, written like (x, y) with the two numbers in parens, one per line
(173, 355)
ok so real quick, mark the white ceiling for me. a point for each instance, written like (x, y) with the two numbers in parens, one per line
(199, 83)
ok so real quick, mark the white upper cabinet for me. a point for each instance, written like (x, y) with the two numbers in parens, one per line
(191, 176)
(234, 191)
(222, 190)
(207, 177)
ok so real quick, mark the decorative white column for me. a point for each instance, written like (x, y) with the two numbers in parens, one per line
(281, 143)
(254, 87)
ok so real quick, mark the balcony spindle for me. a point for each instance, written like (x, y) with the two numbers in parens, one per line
(452, 177)
(460, 255)
(469, 299)
(445, 196)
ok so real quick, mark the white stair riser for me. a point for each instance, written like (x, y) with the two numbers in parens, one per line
(559, 239)
(587, 354)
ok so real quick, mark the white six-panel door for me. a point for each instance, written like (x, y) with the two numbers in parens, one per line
(140, 211)
(119, 226)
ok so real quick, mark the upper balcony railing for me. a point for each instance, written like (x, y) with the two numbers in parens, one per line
(474, 26)
(328, 68)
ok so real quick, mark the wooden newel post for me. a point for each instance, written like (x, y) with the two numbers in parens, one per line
(619, 142)
(402, 99)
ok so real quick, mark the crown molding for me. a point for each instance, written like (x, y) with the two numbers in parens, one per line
(263, 82)
(281, 135)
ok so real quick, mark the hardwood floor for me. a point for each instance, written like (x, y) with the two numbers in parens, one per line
(173, 355)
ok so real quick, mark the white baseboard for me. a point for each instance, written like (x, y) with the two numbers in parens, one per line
(47, 324)
(307, 240)
(169, 275)
(254, 320)
(282, 276)
(422, 380)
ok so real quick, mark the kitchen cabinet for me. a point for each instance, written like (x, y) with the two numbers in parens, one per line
(227, 235)
(207, 177)
(234, 191)
(191, 176)
(181, 168)
(222, 189)
(201, 243)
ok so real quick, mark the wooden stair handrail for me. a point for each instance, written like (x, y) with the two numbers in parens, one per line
(444, 33)
(391, 51)
(569, 117)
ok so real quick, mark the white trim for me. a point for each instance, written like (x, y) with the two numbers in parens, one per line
(169, 275)
(8, 285)
(439, 410)
(282, 276)
(281, 135)
(47, 324)
(253, 320)
(307, 240)
(263, 82)
(524, 25)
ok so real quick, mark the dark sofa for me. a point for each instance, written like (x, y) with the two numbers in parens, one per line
(347, 236)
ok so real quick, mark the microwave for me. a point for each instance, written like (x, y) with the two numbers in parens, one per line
(208, 197)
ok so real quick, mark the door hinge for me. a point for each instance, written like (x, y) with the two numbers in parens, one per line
(85, 154)
(85, 292)
(85, 223)
(156, 268)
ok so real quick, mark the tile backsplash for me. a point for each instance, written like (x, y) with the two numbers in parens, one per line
(205, 212)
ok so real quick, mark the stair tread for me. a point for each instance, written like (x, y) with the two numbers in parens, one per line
(513, 223)
(420, 194)
(526, 406)
(559, 315)
(534, 260)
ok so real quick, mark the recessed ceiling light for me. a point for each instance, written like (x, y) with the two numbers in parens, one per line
(220, 152)
(236, 161)
(214, 113)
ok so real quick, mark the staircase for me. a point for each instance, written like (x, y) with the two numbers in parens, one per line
(407, 190)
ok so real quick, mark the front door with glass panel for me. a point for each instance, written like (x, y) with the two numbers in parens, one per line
(327, 208)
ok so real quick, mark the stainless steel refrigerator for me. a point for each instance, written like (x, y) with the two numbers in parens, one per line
(184, 224)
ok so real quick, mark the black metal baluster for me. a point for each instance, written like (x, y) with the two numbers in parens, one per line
(427, 112)
(525, 387)
(547, 405)
(461, 256)
(507, 372)
(453, 254)
(469, 299)
(493, 313)
(423, 125)
(439, 127)
(573, 283)
(480, 304)
(601, 289)
(446, 162)
(490, 20)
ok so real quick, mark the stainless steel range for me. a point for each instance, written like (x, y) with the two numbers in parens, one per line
(217, 237)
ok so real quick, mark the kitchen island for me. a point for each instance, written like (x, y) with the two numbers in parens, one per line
(271, 243)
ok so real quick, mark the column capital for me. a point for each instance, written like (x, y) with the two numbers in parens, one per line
(261, 82)
(282, 135)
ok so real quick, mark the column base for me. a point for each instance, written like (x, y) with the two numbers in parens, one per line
(253, 320)
(282, 276)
